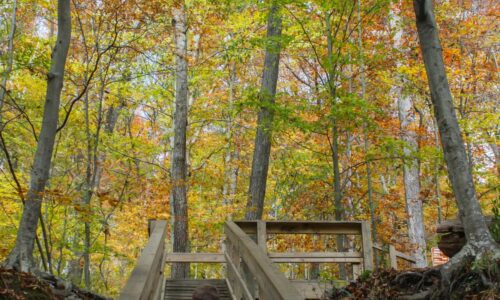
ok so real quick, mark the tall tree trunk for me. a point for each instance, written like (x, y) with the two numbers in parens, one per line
(369, 183)
(337, 184)
(10, 58)
(411, 178)
(411, 165)
(230, 167)
(87, 196)
(437, 186)
(262, 150)
(21, 256)
(179, 166)
(478, 236)
(6, 74)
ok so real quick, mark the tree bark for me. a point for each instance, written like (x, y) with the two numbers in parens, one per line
(411, 179)
(179, 166)
(262, 150)
(337, 184)
(87, 196)
(478, 236)
(411, 164)
(21, 256)
(437, 186)
(369, 183)
(8, 70)
(10, 58)
(230, 167)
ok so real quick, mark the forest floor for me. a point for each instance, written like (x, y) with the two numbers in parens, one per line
(26, 286)
(470, 282)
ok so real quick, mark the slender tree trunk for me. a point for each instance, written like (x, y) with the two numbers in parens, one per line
(6, 75)
(179, 166)
(337, 184)
(229, 168)
(369, 183)
(87, 197)
(478, 236)
(262, 150)
(10, 58)
(21, 256)
(436, 174)
(496, 153)
(62, 242)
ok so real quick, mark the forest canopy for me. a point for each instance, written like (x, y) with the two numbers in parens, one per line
(276, 110)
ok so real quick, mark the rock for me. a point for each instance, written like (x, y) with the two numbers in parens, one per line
(451, 243)
(452, 237)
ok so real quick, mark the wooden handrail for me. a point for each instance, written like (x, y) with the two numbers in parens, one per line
(241, 248)
(276, 257)
(146, 280)
(300, 227)
(394, 255)
(313, 227)
(195, 257)
(316, 257)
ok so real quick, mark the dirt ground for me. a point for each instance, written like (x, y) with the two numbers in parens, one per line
(16, 285)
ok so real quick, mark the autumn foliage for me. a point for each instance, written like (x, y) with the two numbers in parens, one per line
(116, 122)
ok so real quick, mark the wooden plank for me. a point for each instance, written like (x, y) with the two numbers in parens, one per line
(233, 258)
(195, 257)
(316, 257)
(230, 289)
(262, 235)
(235, 274)
(300, 227)
(272, 283)
(406, 257)
(158, 292)
(367, 245)
(378, 247)
(317, 260)
(143, 282)
(315, 254)
(311, 289)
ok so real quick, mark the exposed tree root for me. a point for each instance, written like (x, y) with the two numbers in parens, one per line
(469, 277)
(488, 252)
(17, 262)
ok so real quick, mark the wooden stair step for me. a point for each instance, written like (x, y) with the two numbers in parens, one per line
(182, 289)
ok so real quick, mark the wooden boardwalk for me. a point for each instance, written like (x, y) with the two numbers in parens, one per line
(251, 272)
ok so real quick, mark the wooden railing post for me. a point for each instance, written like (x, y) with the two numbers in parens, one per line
(262, 235)
(367, 246)
(393, 257)
(356, 271)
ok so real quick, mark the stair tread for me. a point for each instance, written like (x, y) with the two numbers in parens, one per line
(182, 289)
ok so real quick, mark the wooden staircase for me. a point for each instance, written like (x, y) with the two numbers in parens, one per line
(251, 272)
(182, 289)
